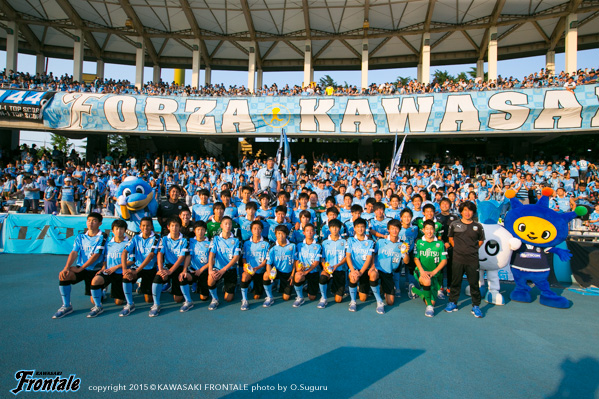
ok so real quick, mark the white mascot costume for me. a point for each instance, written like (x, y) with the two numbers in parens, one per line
(496, 251)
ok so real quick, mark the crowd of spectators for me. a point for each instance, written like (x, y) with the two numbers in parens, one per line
(65, 83)
(41, 179)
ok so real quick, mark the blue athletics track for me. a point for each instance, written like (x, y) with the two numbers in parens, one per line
(516, 351)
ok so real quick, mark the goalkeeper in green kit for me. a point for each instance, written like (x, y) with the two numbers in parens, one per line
(430, 257)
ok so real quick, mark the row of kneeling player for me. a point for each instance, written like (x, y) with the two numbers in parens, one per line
(182, 263)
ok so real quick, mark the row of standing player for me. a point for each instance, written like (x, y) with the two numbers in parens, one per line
(172, 258)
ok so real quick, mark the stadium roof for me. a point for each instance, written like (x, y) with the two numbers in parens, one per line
(459, 30)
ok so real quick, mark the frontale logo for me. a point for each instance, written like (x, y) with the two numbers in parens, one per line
(41, 381)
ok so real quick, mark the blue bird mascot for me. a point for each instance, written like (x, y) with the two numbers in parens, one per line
(540, 229)
(135, 199)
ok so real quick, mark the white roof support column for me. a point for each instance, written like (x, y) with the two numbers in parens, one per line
(252, 68)
(364, 80)
(12, 46)
(195, 63)
(571, 43)
(550, 62)
(140, 58)
(100, 69)
(207, 76)
(425, 59)
(78, 56)
(259, 77)
(480, 69)
(307, 63)
(40, 63)
(156, 73)
(492, 53)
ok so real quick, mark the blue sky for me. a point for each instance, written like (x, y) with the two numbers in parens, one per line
(517, 68)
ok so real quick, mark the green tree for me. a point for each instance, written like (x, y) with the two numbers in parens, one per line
(61, 143)
(462, 76)
(403, 80)
(116, 143)
(327, 80)
(472, 73)
(442, 76)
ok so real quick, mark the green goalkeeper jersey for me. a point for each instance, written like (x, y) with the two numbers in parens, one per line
(430, 254)
(419, 222)
(213, 229)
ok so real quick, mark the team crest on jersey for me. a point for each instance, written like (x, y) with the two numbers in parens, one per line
(474, 228)
(438, 245)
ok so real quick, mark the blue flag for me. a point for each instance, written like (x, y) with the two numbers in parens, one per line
(396, 160)
(284, 154)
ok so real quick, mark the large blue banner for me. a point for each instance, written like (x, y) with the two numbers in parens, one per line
(44, 234)
(524, 110)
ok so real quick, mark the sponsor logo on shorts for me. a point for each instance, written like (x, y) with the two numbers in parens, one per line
(528, 255)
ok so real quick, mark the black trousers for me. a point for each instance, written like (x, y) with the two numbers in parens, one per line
(449, 266)
(472, 274)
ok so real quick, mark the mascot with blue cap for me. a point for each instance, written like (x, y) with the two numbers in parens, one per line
(540, 229)
(135, 199)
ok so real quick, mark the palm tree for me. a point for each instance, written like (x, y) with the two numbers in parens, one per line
(462, 76)
(327, 80)
(442, 76)
(472, 72)
(403, 80)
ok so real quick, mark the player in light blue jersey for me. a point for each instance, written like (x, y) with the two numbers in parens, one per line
(112, 269)
(297, 235)
(143, 247)
(225, 252)
(332, 213)
(356, 212)
(345, 210)
(334, 264)
(416, 207)
(88, 251)
(309, 253)
(265, 211)
(378, 225)
(303, 199)
(280, 219)
(280, 265)
(359, 253)
(255, 252)
(245, 222)
(246, 193)
(230, 208)
(195, 268)
(283, 198)
(368, 213)
(324, 213)
(203, 210)
(171, 256)
(394, 210)
(388, 256)
(408, 234)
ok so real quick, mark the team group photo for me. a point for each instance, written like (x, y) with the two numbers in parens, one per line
(311, 199)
